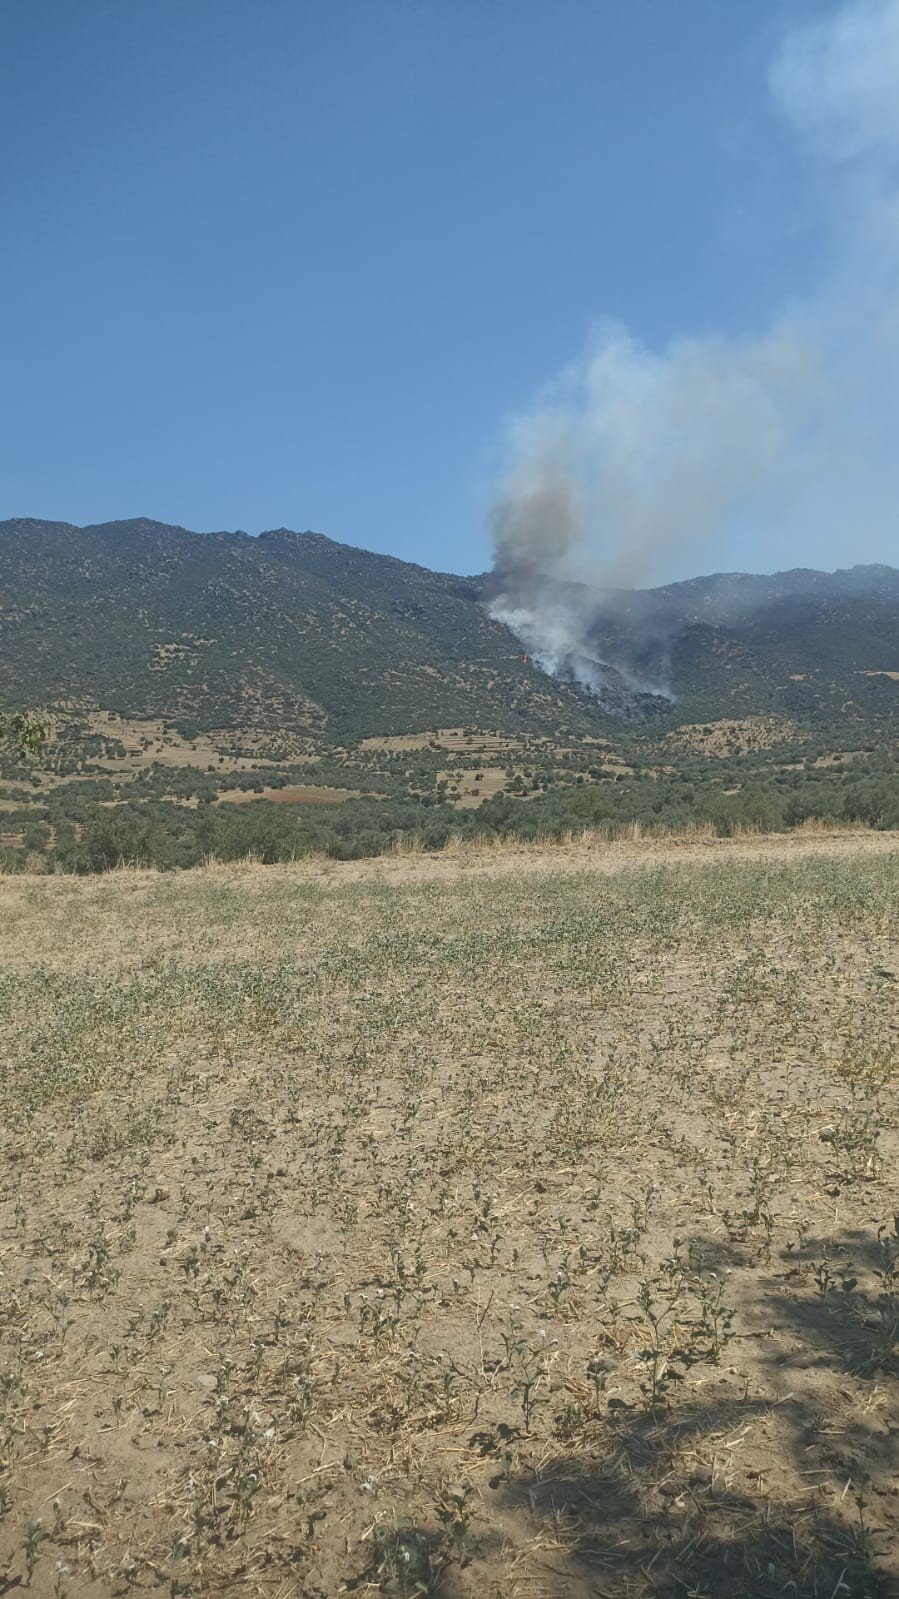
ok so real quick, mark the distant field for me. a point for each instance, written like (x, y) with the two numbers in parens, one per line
(106, 789)
(468, 786)
(143, 743)
(453, 739)
(511, 1223)
(150, 741)
(290, 794)
(726, 737)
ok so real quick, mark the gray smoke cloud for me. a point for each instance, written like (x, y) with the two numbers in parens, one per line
(632, 456)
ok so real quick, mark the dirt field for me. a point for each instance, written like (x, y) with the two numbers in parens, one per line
(453, 739)
(501, 1224)
(474, 784)
(150, 743)
(726, 737)
(292, 794)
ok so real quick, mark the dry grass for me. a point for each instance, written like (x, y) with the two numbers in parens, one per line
(453, 739)
(728, 737)
(291, 794)
(473, 784)
(495, 1224)
(601, 850)
(150, 742)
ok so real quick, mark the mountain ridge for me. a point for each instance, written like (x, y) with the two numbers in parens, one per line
(289, 629)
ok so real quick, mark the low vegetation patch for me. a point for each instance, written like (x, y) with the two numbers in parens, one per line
(728, 737)
(87, 801)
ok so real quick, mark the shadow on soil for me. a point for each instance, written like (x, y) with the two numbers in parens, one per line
(650, 1504)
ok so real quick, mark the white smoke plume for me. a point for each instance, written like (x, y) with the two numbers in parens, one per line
(634, 456)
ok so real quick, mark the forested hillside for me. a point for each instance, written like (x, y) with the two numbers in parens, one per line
(219, 694)
(293, 632)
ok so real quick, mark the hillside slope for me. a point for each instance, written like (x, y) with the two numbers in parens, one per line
(820, 647)
(288, 630)
(292, 631)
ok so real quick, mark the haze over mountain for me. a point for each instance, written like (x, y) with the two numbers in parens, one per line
(292, 632)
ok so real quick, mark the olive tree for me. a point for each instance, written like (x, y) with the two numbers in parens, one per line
(21, 731)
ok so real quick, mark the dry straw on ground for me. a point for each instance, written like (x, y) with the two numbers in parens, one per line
(508, 1223)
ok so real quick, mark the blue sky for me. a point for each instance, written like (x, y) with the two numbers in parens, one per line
(297, 262)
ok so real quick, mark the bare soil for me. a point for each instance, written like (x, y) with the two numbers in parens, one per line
(290, 794)
(737, 736)
(505, 1223)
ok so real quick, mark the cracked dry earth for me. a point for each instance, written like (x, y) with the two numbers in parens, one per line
(516, 1225)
